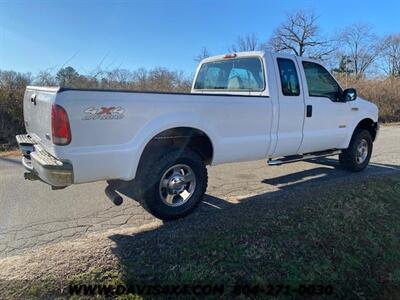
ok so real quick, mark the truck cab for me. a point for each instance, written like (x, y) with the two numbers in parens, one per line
(310, 111)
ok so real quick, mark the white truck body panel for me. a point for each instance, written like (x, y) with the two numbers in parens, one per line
(103, 149)
(242, 125)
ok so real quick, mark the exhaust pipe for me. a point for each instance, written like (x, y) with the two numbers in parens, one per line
(113, 195)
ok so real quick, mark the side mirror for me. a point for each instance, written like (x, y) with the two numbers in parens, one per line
(349, 95)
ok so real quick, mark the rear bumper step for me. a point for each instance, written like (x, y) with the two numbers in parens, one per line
(42, 165)
(295, 158)
(25, 143)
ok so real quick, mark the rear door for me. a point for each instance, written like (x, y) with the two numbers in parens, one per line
(327, 117)
(291, 105)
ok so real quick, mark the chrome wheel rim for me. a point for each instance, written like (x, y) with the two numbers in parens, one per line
(177, 185)
(362, 151)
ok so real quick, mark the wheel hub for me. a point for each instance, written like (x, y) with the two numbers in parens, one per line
(177, 185)
(362, 151)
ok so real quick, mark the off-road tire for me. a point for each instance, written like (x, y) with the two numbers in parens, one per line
(151, 172)
(348, 158)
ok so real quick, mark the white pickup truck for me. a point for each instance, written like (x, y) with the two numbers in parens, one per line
(243, 106)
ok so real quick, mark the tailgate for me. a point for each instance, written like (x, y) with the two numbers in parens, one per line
(37, 113)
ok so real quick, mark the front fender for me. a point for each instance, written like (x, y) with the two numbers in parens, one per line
(366, 111)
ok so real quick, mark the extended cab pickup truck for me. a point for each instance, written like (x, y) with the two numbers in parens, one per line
(155, 147)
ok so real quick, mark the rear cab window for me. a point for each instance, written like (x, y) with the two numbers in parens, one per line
(242, 74)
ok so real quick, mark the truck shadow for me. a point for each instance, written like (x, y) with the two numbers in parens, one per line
(11, 160)
(142, 253)
(325, 173)
(327, 170)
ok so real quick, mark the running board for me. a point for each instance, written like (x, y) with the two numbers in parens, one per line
(295, 158)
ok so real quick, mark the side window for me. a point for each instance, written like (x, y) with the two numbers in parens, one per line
(320, 83)
(289, 78)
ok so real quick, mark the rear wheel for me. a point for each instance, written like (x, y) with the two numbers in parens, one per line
(357, 156)
(173, 184)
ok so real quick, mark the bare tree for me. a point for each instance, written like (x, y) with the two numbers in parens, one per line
(249, 42)
(117, 78)
(45, 78)
(140, 79)
(361, 45)
(204, 53)
(391, 55)
(299, 34)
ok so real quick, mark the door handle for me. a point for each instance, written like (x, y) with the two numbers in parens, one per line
(309, 111)
(33, 99)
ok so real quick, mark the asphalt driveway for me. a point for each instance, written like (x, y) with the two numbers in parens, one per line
(31, 214)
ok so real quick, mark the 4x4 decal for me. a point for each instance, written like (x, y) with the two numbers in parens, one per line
(104, 113)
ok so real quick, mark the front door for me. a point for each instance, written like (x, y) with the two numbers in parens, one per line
(327, 117)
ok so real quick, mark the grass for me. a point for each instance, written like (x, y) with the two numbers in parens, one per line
(346, 235)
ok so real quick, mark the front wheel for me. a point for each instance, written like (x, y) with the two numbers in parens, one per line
(174, 184)
(357, 156)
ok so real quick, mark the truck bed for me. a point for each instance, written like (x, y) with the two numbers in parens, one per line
(110, 128)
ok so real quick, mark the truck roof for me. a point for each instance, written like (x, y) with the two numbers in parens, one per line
(238, 54)
(259, 53)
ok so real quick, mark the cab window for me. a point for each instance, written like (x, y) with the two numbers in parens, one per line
(239, 74)
(289, 79)
(320, 82)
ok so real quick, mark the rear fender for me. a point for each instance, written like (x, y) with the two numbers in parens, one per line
(158, 125)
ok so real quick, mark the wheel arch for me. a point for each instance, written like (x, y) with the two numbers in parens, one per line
(369, 125)
(366, 123)
(180, 137)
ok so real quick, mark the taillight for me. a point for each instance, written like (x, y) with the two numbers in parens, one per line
(60, 130)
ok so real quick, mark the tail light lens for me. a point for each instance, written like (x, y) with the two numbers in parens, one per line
(61, 132)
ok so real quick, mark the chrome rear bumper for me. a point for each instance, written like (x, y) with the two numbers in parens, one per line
(41, 165)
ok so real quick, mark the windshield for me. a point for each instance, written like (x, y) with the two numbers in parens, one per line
(231, 74)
